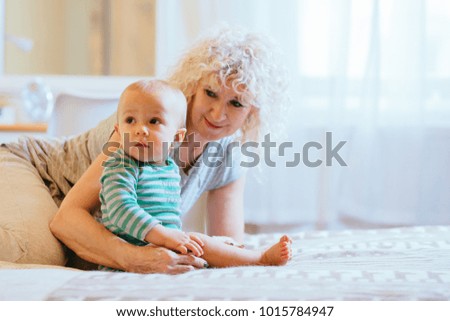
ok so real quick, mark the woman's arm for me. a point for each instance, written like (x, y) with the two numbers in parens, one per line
(225, 210)
(74, 226)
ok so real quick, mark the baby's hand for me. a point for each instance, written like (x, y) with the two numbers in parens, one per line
(182, 242)
(175, 240)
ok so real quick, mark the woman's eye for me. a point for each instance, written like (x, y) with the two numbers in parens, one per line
(154, 121)
(236, 103)
(129, 120)
(210, 93)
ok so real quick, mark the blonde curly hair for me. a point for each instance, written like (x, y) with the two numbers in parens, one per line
(248, 63)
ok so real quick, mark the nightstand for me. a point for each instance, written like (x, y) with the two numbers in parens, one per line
(10, 133)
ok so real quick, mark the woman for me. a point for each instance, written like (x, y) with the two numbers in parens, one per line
(231, 81)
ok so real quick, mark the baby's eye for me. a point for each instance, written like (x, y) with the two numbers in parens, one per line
(129, 120)
(155, 121)
(236, 103)
(210, 93)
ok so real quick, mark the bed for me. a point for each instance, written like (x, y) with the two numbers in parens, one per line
(380, 264)
(411, 263)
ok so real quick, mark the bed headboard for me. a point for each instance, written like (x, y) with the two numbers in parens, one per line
(75, 113)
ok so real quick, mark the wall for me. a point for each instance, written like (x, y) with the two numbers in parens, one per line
(132, 37)
(84, 37)
(42, 21)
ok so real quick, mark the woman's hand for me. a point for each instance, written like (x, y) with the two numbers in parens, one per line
(153, 259)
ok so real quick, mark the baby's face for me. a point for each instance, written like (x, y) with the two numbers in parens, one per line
(148, 124)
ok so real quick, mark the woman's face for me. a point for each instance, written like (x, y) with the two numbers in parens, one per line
(214, 114)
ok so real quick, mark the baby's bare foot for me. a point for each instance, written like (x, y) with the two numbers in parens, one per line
(279, 253)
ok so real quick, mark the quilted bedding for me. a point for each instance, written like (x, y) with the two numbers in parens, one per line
(384, 264)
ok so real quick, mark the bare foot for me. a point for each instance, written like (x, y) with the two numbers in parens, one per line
(279, 253)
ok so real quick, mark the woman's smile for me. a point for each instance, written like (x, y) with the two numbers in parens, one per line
(211, 124)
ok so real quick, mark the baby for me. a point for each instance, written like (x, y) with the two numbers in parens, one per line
(140, 192)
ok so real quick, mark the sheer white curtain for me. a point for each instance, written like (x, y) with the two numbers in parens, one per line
(373, 73)
(2, 37)
(399, 146)
(179, 23)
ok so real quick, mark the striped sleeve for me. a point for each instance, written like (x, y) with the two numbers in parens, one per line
(121, 211)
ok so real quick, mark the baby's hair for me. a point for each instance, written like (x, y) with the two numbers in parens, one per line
(152, 86)
(246, 62)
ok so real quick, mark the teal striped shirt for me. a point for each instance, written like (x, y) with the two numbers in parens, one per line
(136, 196)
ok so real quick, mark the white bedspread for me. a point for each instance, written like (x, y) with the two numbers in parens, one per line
(389, 264)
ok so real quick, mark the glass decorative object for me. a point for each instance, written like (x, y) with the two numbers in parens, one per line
(38, 100)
